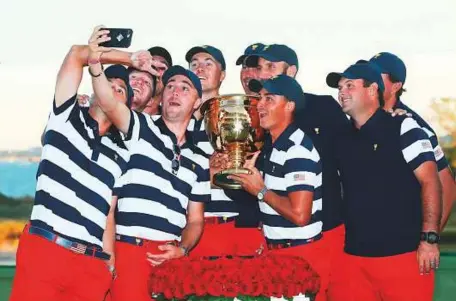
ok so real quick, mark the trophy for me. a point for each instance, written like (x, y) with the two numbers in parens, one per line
(233, 128)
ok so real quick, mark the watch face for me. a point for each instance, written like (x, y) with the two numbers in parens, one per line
(430, 237)
(433, 238)
(260, 195)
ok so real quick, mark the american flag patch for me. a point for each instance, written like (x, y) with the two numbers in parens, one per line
(426, 145)
(299, 177)
(78, 248)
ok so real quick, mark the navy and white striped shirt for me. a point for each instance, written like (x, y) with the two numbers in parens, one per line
(152, 200)
(291, 164)
(442, 162)
(76, 175)
(416, 147)
(220, 204)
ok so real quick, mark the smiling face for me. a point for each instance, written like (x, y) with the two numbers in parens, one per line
(355, 97)
(208, 70)
(267, 69)
(274, 110)
(180, 99)
(142, 85)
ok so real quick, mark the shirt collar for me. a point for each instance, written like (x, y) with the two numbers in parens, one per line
(160, 123)
(372, 123)
(282, 139)
(112, 132)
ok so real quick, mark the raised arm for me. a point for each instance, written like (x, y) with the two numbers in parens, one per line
(69, 77)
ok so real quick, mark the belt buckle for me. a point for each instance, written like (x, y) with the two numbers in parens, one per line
(78, 248)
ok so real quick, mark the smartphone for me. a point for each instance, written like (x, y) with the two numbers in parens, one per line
(120, 37)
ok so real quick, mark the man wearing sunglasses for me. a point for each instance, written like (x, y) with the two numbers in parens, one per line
(166, 184)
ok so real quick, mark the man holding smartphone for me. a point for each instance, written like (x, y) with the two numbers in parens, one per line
(161, 202)
(146, 85)
(82, 160)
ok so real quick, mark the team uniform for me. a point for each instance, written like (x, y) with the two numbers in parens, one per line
(76, 176)
(222, 234)
(322, 119)
(153, 200)
(292, 164)
(383, 210)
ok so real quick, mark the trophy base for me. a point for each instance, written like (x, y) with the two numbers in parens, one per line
(221, 180)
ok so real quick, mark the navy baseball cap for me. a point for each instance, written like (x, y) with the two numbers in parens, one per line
(179, 70)
(120, 72)
(390, 64)
(214, 52)
(274, 53)
(251, 50)
(357, 71)
(160, 51)
(281, 85)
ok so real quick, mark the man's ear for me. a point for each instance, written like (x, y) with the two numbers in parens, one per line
(290, 107)
(197, 104)
(222, 76)
(396, 87)
(373, 88)
(292, 71)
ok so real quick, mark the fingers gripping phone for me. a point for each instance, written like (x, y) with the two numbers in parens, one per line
(120, 37)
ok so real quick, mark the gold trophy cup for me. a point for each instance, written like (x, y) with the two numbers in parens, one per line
(233, 128)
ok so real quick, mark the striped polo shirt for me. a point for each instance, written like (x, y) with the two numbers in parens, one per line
(291, 164)
(221, 204)
(153, 201)
(76, 175)
(442, 162)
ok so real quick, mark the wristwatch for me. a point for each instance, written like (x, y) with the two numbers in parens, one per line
(184, 249)
(262, 193)
(430, 237)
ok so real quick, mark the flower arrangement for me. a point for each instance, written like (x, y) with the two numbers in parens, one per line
(227, 278)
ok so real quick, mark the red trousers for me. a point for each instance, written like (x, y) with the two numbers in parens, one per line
(317, 254)
(391, 278)
(133, 271)
(48, 272)
(226, 239)
(335, 241)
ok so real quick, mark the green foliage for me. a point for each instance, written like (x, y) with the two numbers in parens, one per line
(11, 208)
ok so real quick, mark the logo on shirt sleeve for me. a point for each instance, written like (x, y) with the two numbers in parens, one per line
(438, 152)
(299, 177)
(426, 145)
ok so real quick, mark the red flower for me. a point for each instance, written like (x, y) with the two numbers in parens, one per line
(266, 275)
